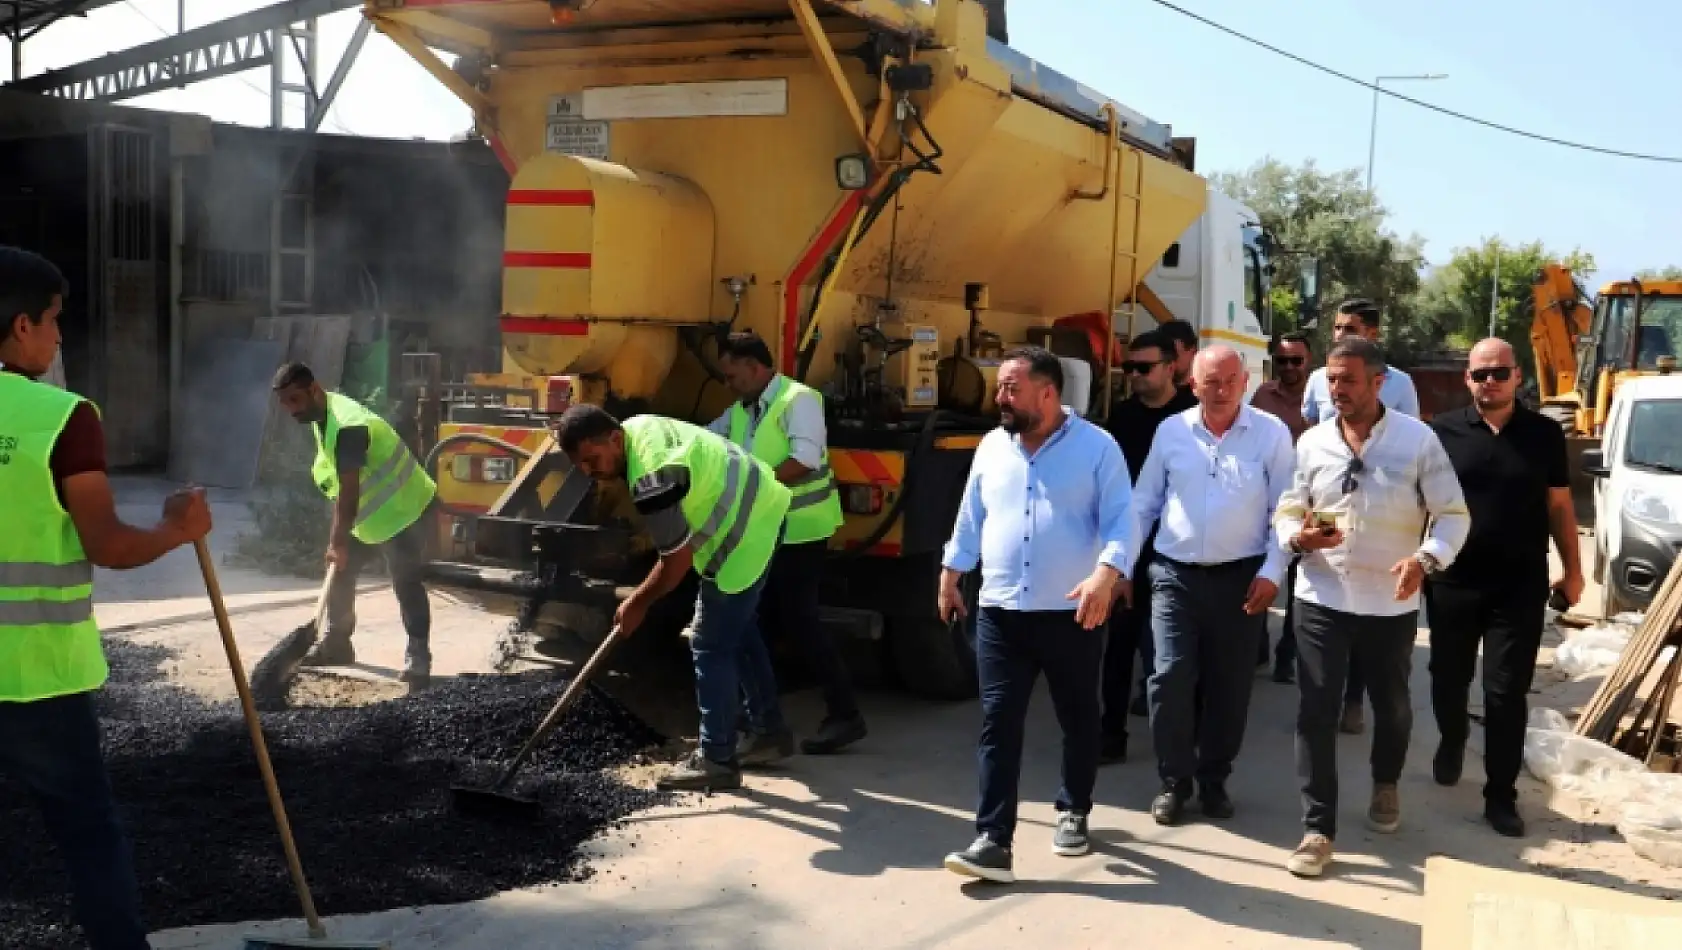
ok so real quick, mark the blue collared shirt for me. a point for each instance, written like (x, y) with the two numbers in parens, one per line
(1396, 391)
(1039, 525)
(1214, 496)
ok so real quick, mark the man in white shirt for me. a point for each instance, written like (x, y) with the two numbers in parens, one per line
(1212, 479)
(1374, 509)
(1357, 319)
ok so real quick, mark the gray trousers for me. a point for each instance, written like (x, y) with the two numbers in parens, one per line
(1202, 636)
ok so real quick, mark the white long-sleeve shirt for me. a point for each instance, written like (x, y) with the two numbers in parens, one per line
(1406, 500)
(1213, 496)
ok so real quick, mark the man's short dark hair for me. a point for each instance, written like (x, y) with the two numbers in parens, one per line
(1180, 333)
(1294, 336)
(28, 284)
(1359, 349)
(746, 345)
(1042, 364)
(1152, 340)
(583, 423)
(293, 374)
(1363, 309)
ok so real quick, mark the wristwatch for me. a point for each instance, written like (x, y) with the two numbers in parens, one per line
(1429, 563)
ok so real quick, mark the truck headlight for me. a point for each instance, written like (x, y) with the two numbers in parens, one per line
(1647, 506)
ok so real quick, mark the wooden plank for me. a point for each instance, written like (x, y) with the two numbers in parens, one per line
(1611, 702)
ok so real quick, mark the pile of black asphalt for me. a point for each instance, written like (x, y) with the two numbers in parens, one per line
(366, 788)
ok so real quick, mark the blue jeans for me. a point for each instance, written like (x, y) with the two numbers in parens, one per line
(51, 746)
(1012, 648)
(731, 664)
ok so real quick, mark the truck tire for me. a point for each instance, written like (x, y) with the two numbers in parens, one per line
(934, 660)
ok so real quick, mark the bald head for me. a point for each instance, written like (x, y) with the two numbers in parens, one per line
(1492, 375)
(1218, 379)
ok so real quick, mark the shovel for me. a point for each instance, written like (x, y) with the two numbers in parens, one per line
(273, 674)
(317, 932)
(496, 802)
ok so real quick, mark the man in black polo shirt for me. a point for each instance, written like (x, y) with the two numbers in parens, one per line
(1512, 467)
(1151, 368)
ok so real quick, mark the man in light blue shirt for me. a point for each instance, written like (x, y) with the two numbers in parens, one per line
(1358, 318)
(1212, 480)
(1044, 514)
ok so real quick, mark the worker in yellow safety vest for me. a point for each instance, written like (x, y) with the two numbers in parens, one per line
(781, 422)
(57, 521)
(710, 506)
(379, 494)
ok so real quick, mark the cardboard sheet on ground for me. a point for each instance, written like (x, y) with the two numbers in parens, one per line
(1508, 922)
(1468, 907)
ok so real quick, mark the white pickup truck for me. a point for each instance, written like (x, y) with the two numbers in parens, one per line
(1638, 491)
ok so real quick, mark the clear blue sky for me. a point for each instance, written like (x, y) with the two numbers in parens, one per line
(1607, 72)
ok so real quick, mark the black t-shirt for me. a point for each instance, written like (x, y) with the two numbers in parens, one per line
(1133, 425)
(351, 450)
(1505, 477)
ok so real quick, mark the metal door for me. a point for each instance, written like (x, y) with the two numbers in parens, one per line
(129, 345)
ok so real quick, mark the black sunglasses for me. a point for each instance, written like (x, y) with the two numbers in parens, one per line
(1290, 360)
(1499, 373)
(1355, 467)
(1140, 367)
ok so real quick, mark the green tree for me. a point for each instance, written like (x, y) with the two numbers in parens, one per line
(1331, 217)
(1672, 272)
(1454, 303)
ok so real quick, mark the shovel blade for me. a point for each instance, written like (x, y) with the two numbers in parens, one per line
(272, 677)
(501, 806)
(254, 942)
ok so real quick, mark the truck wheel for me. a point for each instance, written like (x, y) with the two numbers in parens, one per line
(934, 660)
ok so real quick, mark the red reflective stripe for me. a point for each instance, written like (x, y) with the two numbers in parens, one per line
(553, 198)
(556, 260)
(541, 326)
(831, 233)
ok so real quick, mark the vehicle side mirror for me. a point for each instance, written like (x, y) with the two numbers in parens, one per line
(1308, 293)
(1594, 464)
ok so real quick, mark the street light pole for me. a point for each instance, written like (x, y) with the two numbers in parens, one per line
(1372, 136)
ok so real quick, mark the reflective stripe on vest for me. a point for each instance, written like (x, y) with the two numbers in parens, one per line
(49, 642)
(733, 469)
(392, 489)
(380, 485)
(815, 509)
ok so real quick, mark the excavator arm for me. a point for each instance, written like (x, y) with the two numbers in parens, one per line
(1559, 317)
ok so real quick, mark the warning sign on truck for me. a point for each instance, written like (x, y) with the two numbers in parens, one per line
(569, 133)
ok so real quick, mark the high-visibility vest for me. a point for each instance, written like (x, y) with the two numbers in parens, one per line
(49, 642)
(393, 490)
(734, 506)
(815, 509)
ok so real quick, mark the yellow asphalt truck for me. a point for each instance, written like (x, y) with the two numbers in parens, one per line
(884, 190)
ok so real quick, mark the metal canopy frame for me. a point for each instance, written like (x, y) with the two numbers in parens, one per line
(236, 44)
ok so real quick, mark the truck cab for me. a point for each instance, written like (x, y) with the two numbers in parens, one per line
(1637, 477)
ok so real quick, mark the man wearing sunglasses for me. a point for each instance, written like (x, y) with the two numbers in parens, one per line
(1512, 464)
(1375, 508)
(1357, 319)
(1150, 368)
(1282, 398)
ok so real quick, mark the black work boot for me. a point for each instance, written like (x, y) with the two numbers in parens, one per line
(331, 650)
(983, 859)
(1448, 762)
(1504, 818)
(701, 774)
(1217, 804)
(835, 734)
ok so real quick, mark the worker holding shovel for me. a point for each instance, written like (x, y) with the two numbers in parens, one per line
(379, 494)
(59, 519)
(711, 506)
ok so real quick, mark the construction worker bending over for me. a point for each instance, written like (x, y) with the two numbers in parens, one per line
(710, 506)
(379, 493)
(781, 422)
(57, 522)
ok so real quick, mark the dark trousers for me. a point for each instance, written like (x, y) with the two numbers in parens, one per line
(1205, 643)
(1285, 654)
(51, 746)
(1326, 641)
(1130, 634)
(734, 682)
(405, 561)
(789, 608)
(1012, 649)
(1507, 621)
